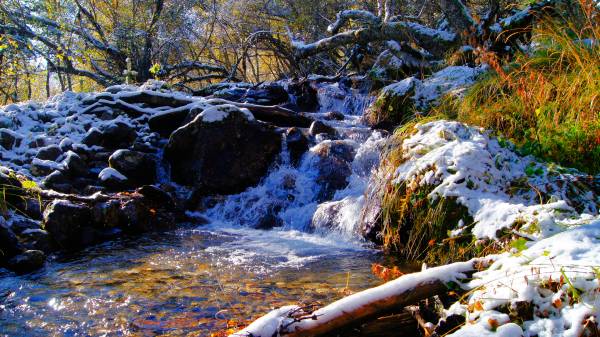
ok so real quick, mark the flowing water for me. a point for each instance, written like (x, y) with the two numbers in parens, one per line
(197, 280)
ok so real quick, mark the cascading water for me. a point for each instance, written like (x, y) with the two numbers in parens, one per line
(289, 196)
(196, 279)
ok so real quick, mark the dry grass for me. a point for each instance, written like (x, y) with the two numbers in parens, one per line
(548, 101)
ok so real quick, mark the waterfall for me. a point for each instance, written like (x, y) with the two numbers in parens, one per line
(289, 197)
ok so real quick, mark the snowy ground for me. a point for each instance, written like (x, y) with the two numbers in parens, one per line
(553, 211)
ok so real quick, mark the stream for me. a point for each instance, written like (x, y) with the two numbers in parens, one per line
(194, 280)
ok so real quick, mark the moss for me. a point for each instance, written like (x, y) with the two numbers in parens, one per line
(414, 226)
(391, 108)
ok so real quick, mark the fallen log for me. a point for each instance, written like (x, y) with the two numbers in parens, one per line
(293, 321)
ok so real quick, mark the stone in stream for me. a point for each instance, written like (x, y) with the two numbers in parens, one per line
(9, 243)
(318, 127)
(332, 160)
(69, 224)
(335, 115)
(27, 261)
(223, 150)
(138, 167)
(326, 217)
(36, 239)
(297, 144)
(149, 208)
(305, 94)
(267, 93)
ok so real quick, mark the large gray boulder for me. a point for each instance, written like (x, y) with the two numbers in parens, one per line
(223, 150)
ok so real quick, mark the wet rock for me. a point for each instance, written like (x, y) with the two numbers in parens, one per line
(138, 167)
(69, 224)
(113, 179)
(74, 165)
(334, 115)
(50, 152)
(318, 127)
(305, 95)
(326, 217)
(267, 93)
(142, 214)
(28, 261)
(269, 220)
(393, 106)
(20, 224)
(9, 244)
(157, 195)
(333, 176)
(370, 217)
(36, 239)
(332, 161)
(9, 139)
(297, 144)
(338, 148)
(107, 214)
(223, 151)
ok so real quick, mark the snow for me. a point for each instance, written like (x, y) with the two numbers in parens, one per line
(220, 112)
(426, 31)
(66, 119)
(466, 163)
(450, 80)
(562, 229)
(524, 276)
(110, 173)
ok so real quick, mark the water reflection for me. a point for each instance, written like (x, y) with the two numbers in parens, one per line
(183, 283)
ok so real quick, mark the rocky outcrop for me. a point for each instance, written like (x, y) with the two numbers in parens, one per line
(222, 151)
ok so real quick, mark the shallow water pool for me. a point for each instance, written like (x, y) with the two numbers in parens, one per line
(188, 282)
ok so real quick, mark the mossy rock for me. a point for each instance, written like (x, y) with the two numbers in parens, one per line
(393, 106)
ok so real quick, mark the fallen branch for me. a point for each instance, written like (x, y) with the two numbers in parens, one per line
(360, 307)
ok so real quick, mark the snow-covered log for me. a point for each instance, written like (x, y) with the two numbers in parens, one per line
(434, 40)
(294, 321)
